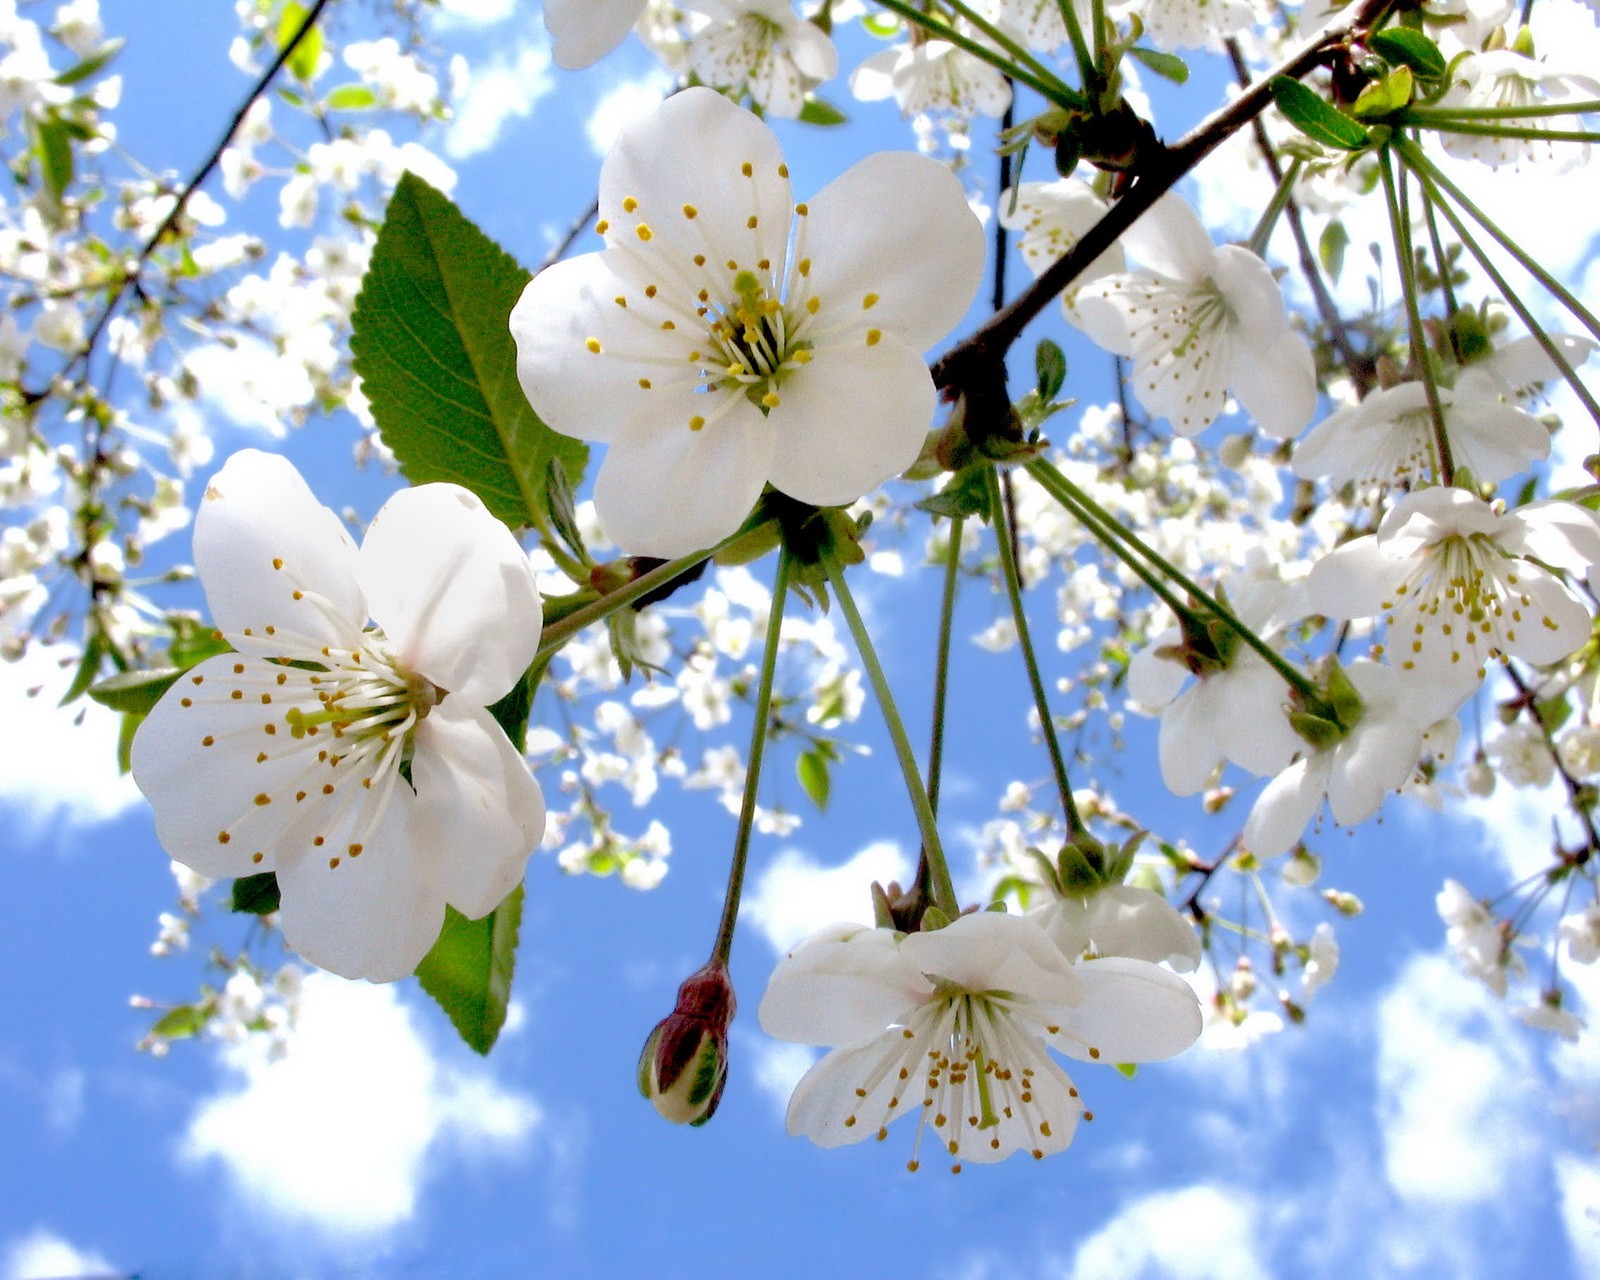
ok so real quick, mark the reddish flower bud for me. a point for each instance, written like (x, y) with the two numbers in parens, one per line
(685, 1061)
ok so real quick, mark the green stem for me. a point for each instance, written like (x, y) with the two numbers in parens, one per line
(752, 774)
(944, 890)
(1440, 262)
(558, 633)
(1087, 69)
(1499, 281)
(1023, 55)
(1041, 701)
(1071, 496)
(1511, 131)
(1269, 217)
(1430, 115)
(1050, 88)
(1406, 264)
(941, 667)
(1414, 157)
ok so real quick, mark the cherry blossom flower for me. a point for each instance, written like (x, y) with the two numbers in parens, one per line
(1322, 960)
(1053, 217)
(1548, 1015)
(1038, 22)
(1234, 712)
(1474, 935)
(1507, 78)
(1388, 437)
(1355, 773)
(728, 337)
(1188, 24)
(1121, 920)
(933, 76)
(356, 762)
(1199, 321)
(762, 46)
(1581, 933)
(953, 1027)
(1454, 581)
(584, 31)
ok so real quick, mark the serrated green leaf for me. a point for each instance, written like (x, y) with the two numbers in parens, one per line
(134, 692)
(1402, 46)
(1318, 120)
(468, 972)
(820, 111)
(303, 62)
(93, 63)
(434, 352)
(812, 770)
(1167, 65)
(1050, 368)
(1330, 249)
(256, 895)
(53, 147)
(351, 97)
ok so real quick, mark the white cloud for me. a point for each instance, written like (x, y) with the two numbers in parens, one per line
(796, 896)
(629, 101)
(1196, 1233)
(777, 1067)
(340, 1132)
(498, 91)
(474, 13)
(1455, 1084)
(41, 1253)
(57, 763)
(1579, 1182)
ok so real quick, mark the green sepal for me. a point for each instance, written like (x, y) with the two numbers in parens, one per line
(1404, 46)
(256, 895)
(1166, 65)
(821, 112)
(1316, 730)
(1383, 98)
(134, 692)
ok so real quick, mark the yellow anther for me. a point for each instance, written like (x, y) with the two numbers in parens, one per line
(594, 345)
(771, 400)
(783, 171)
(802, 209)
(643, 230)
(747, 169)
(277, 564)
(629, 205)
(644, 384)
(689, 211)
(696, 422)
(812, 303)
(873, 335)
(868, 302)
(805, 266)
(602, 226)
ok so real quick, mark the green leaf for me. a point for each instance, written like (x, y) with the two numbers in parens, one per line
(436, 359)
(511, 712)
(94, 653)
(351, 97)
(812, 770)
(1404, 47)
(820, 111)
(1385, 97)
(1318, 120)
(134, 692)
(93, 63)
(468, 972)
(1168, 66)
(180, 1023)
(193, 642)
(563, 508)
(1330, 249)
(53, 146)
(308, 53)
(1050, 366)
(255, 895)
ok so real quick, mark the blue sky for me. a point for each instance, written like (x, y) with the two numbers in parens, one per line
(1410, 1129)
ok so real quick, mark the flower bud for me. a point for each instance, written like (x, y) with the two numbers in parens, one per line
(684, 1063)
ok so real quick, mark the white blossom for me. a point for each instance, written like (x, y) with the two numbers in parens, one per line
(355, 762)
(712, 343)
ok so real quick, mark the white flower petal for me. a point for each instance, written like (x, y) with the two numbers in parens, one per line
(1187, 744)
(668, 492)
(1275, 382)
(452, 590)
(844, 986)
(989, 950)
(1375, 759)
(1286, 804)
(922, 266)
(261, 538)
(1356, 580)
(1168, 239)
(584, 31)
(480, 812)
(1131, 1011)
(851, 419)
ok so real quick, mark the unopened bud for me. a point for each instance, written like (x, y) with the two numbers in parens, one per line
(684, 1063)
(1302, 869)
(1242, 983)
(1346, 904)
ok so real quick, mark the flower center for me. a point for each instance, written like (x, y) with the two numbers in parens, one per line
(757, 341)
